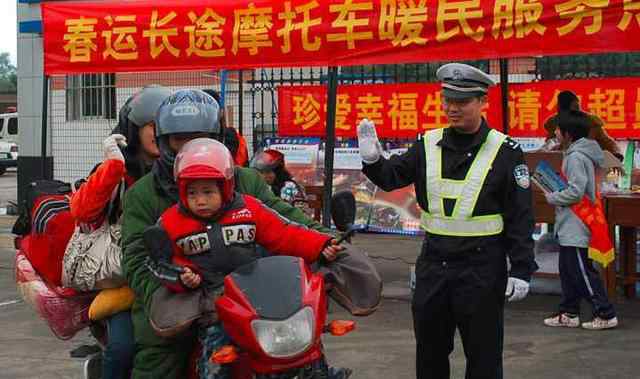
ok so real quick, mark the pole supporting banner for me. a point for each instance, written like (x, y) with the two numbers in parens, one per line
(330, 144)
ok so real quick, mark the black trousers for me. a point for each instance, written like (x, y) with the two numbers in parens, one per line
(465, 295)
(580, 280)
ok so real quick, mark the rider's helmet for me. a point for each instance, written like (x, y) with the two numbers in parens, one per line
(185, 111)
(205, 158)
(138, 111)
(188, 111)
(267, 160)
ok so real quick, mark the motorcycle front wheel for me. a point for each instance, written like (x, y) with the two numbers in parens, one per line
(316, 370)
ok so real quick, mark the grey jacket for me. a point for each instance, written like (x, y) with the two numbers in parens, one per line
(579, 166)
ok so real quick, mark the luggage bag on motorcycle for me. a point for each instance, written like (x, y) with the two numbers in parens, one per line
(46, 224)
(64, 310)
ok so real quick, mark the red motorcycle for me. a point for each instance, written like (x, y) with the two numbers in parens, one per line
(275, 312)
(276, 336)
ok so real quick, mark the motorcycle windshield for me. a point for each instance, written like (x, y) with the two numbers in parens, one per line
(272, 286)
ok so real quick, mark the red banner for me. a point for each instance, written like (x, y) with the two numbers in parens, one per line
(149, 35)
(615, 100)
(398, 110)
(404, 110)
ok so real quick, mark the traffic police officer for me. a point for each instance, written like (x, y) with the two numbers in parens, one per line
(473, 187)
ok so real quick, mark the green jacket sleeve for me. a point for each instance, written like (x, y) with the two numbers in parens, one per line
(139, 213)
(251, 183)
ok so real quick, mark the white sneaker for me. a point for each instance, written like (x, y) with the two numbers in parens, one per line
(563, 320)
(600, 324)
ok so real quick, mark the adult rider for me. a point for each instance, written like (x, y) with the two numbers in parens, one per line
(185, 115)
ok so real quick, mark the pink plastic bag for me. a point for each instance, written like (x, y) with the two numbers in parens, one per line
(65, 310)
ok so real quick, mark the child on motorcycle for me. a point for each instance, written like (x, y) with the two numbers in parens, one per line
(213, 230)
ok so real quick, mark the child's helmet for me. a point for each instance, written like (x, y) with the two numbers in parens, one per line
(267, 160)
(205, 158)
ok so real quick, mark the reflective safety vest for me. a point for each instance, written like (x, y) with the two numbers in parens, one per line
(465, 192)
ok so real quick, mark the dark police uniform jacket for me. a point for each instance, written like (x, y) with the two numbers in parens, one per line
(505, 191)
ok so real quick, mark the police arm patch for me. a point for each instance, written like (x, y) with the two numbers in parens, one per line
(521, 174)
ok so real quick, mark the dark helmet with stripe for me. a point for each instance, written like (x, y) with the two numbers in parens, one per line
(185, 111)
(188, 111)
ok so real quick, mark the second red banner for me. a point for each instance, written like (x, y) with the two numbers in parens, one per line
(404, 110)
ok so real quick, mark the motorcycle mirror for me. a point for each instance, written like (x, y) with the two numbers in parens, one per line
(343, 210)
(158, 243)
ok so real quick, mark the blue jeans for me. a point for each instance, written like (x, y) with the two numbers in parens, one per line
(212, 338)
(118, 354)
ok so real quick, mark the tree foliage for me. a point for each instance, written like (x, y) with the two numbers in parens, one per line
(8, 75)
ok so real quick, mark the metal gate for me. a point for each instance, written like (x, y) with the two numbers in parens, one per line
(263, 84)
(82, 109)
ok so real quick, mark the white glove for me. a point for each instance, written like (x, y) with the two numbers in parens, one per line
(370, 149)
(111, 149)
(517, 289)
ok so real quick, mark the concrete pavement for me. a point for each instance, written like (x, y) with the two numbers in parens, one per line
(381, 347)
(8, 187)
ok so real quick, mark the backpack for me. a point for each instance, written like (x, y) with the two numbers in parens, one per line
(35, 193)
(45, 224)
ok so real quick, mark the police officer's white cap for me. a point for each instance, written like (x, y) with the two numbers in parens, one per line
(460, 81)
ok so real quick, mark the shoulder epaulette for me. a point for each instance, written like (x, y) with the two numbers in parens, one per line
(511, 143)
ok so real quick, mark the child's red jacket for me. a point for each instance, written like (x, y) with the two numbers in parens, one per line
(214, 249)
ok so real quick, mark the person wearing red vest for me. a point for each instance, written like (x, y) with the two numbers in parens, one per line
(213, 230)
(212, 217)
(581, 228)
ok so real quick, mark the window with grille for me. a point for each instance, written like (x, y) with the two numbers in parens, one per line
(91, 96)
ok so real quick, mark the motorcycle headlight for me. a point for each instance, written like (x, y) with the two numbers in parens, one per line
(286, 338)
